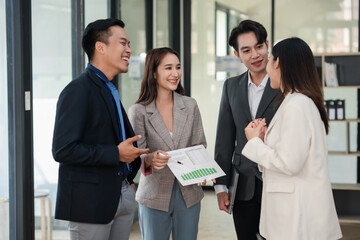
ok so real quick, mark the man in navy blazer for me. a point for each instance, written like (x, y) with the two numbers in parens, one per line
(244, 98)
(94, 142)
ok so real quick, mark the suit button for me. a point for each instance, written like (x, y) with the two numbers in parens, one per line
(120, 173)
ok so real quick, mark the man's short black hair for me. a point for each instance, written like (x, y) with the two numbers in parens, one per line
(247, 26)
(98, 31)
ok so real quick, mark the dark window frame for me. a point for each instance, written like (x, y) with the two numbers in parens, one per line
(19, 71)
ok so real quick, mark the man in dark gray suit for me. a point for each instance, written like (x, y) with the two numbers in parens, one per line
(244, 98)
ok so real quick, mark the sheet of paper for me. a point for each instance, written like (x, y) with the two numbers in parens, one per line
(134, 70)
(193, 165)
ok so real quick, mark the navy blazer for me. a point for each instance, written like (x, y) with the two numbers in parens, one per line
(85, 140)
(234, 116)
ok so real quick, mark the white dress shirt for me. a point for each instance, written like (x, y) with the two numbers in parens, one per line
(254, 95)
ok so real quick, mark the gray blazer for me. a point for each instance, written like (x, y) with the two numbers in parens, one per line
(154, 191)
(234, 116)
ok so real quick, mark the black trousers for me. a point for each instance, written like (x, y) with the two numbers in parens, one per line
(246, 215)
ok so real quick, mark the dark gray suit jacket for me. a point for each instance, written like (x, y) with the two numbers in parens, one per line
(234, 116)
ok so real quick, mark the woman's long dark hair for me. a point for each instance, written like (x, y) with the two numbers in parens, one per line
(148, 91)
(298, 72)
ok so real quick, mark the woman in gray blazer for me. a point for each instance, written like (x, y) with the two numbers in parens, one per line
(166, 120)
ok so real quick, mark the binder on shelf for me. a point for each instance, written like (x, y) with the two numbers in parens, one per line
(340, 109)
(331, 109)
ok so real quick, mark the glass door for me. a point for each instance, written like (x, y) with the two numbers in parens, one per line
(52, 71)
(51, 49)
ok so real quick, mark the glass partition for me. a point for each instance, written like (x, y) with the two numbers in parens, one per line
(162, 23)
(51, 49)
(204, 18)
(94, 10)
(129, 83)
(51, 73)
(4, 148)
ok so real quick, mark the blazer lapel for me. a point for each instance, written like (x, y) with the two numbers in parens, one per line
(107, 99)
(180, 117)
(278, 113)
(267, 97)
(243, 97)
(158, 124)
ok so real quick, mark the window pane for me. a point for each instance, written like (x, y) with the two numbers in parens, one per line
(51, 40)
(95, 9)
(4, 149)
(162, 23)
(129, 83)
(221, 32)
(328, 25)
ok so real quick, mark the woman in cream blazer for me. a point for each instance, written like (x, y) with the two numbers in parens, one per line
(166, 120)
(297, 201)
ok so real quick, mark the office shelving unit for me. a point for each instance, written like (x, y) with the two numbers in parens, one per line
(347, 196)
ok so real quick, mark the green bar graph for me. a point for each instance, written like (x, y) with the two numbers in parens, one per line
(198, 173)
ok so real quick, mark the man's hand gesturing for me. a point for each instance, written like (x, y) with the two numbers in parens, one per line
(127, 151)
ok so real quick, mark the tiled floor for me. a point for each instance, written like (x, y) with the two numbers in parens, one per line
(214, 225)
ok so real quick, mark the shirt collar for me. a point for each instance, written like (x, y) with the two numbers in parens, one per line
(263, 82)
(98, 72)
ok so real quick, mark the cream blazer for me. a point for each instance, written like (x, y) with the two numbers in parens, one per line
(154, 190)
(297, 201)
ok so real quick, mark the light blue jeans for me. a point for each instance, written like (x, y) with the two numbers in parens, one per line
(180, 221)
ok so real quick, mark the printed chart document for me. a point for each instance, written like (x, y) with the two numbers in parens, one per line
(193, 165)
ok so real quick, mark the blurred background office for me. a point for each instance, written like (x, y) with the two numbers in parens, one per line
(41, 53)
